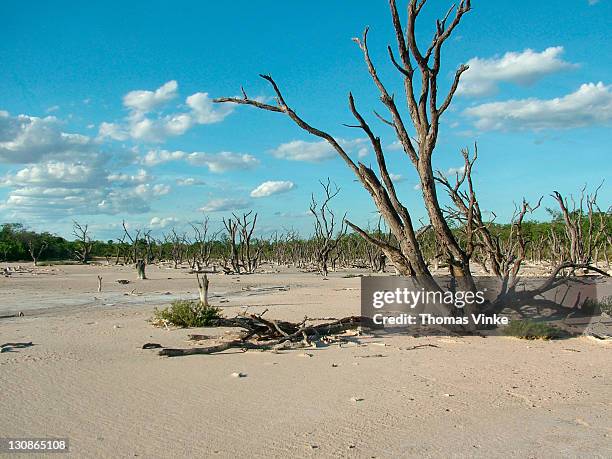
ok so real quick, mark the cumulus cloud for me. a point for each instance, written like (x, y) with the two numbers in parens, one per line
(65, 173)
(162, 222)
(156, 128)
(224, 204)
(40, 191)
(54, 173)
(215, 162)
(146, 101)
(300, 150)
(155, 157)
(203, 110)
(140, 177)
(396, 178)
(27, 139)
(224, 161)
(146, 190)
(590, 105)
(272, 187)
(524, 68)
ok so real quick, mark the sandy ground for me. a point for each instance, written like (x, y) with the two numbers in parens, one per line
(87, 378)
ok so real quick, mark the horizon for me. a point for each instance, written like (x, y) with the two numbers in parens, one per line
(106, 112)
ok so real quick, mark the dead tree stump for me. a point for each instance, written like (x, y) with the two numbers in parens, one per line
(203, 289)
(140, 269)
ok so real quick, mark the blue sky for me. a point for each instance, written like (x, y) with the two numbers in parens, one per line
(106, 114)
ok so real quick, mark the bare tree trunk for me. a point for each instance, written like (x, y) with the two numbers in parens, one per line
(140, 269)
(203, 289)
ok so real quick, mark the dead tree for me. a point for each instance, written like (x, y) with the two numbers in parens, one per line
(232, 230)
(203, 289)
(425, 108)
(327, 233)
(36, 249)
(177, 246)
(376, 257)
(425, 112)
(140, 269)
(83, 241)
(244, 252)
(583, 232)
(503, 258)
(133, 253)
(203, 242)
(250, 252)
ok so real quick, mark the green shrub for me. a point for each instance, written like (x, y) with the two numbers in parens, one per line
(598, 306)
(528, 329)
(184, 313)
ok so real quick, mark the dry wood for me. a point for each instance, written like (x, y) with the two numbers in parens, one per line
(265, 334)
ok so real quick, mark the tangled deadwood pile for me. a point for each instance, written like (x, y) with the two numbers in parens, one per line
(264, 334)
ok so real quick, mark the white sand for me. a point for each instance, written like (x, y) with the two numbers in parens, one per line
(87, 378)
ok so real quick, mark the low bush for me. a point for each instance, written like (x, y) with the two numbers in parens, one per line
(185, 313)
(529, 329)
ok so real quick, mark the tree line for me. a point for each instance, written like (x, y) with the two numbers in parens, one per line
(237, 249)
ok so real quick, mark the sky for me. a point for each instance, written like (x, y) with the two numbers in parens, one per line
(106, 109)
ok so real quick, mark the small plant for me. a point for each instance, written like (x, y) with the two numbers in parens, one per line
(595, 306)
(185, 313)
(528, 329)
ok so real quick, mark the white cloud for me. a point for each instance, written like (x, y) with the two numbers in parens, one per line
(145, 101)
(112, 131)
(224, 204)
(593, 2)
(590, 105)
(396, 178)
(454, 171)
(119, 202)
(224, 161)
(524, 68)
(204, 111)
(156, 130)
(140, 177)
(147, 190)
(159, 222)
(272, 187)
(155, 157)
(65, 174)
(300, 150)
(138, 125)
(54, 173)
(27, 139)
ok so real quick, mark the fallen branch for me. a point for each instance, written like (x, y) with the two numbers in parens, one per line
(264, 334)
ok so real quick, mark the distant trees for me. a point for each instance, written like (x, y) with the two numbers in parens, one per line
(328, 231)
(17, 243)
(582, 235)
